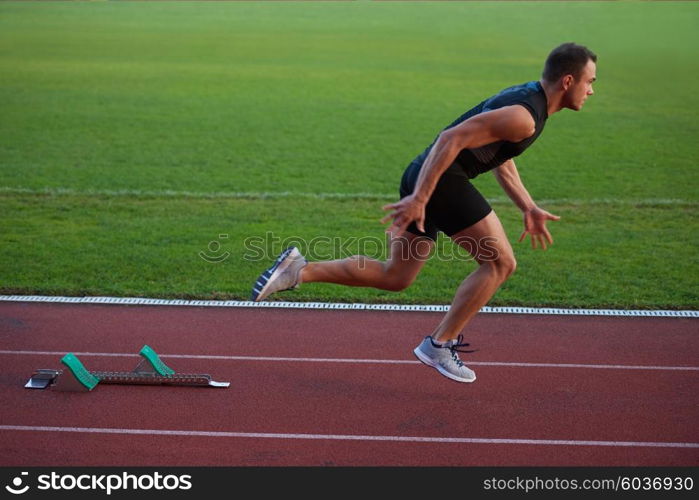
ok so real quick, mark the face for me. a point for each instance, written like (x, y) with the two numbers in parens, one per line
(579, 90)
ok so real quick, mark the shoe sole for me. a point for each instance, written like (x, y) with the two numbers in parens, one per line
(283, 261)
(428, 361)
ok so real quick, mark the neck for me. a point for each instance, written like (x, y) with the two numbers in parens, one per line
(554, 96)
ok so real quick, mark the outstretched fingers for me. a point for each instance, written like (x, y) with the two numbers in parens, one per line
(539, 240)
(388, 217)
(548, 236)
(402, 217)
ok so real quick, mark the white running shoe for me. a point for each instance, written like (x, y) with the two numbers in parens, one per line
(283, 275)
(445, 358)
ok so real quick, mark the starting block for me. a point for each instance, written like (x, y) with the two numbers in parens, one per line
(150, 371)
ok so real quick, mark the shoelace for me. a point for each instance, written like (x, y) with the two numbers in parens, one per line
(453, 349)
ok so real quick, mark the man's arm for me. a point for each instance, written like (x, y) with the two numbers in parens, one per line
(534, 217)
(511, 123)
(508, 178)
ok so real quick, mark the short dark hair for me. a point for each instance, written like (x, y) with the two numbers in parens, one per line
(567, 59)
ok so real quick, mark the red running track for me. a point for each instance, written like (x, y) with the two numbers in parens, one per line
(349, 391)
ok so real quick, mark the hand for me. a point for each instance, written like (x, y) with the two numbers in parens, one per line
(535, 225)
(407, 210)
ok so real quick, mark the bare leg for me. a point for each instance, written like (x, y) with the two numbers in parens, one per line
(496, 263)
(408, 254)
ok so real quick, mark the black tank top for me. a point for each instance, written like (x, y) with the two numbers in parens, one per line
(472, 162)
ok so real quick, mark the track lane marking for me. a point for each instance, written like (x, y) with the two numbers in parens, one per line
(345, 437)
(354, 360)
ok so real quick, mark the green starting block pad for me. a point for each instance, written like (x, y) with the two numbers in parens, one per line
(152, 362)
(150, 371)
(79, 373)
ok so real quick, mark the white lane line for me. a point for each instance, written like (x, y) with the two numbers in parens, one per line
(355, 360)
(345, 437)
(265, 195)
(144, 301)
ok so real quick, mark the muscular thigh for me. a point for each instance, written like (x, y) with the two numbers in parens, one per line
(408, 253)
(456, 205)
(485, 240)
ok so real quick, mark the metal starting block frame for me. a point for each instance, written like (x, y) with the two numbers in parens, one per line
(150, 371)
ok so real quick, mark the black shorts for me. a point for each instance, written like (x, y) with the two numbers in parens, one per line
(454, 205)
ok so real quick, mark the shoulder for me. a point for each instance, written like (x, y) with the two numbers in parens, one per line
(514, 123)
(517, 94)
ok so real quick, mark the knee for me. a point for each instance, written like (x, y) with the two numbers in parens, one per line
(397, 284)
(396, 281)
(504, 266)
(507, 266)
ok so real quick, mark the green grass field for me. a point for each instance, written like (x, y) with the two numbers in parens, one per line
(132, 135)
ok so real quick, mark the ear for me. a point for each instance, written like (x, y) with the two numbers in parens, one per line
(567, 81)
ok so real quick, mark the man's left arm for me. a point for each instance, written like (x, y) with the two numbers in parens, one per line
(534, 217)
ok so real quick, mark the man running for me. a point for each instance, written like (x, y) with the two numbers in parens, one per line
(436, 194)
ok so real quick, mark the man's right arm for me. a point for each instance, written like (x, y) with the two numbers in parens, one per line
(511, 123)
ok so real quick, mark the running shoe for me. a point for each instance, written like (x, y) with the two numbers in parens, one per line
(445, 359)
(283, 275)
